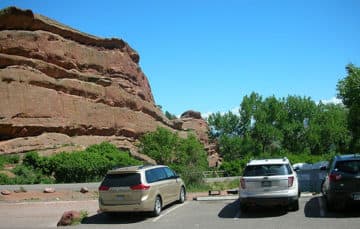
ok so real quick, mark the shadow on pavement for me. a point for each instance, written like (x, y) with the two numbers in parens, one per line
(316, 208)
(232, 210)
(115, 218)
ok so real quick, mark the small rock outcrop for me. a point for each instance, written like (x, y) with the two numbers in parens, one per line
(84, 190)
(69, 217)
(49, 190)
(5, 192)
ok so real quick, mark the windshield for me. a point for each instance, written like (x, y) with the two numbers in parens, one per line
(267, 170)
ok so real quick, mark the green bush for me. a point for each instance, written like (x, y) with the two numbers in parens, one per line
(8, 159)
(232, 168)
(80, 166)
(184, 155)
(89, 165)
(26, 175)
(4, 179)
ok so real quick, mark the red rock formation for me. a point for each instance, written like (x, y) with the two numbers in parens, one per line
(62, 89)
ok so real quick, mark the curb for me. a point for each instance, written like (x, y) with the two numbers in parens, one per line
(235, 197)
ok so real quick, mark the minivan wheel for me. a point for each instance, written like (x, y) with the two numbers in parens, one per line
(182, 195)
(157, 207)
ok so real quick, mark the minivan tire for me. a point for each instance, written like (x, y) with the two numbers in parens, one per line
(182, 195)
(157, 206)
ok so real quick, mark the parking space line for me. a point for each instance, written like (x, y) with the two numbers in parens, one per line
(237, 216)
(170, 210)
(321, 206)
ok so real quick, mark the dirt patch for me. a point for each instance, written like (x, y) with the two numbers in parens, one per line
(59, 195)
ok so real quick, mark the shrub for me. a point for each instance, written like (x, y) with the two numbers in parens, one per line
(80, 166)
(4, 179)
(25, 175)
(184, 155)
(8, 159)
(232, 168)
(89, 165)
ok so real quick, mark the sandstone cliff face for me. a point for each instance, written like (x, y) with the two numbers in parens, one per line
(61, 89)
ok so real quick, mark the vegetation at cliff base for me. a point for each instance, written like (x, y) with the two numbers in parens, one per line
(185, 155)
(89, 165)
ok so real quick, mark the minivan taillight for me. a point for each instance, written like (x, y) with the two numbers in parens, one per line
(334, 177)
(290, 181)
(104, 188)
(243, 184)
(140, 187)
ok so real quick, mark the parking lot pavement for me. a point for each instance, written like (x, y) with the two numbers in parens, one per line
(226, 214)
(191, 214)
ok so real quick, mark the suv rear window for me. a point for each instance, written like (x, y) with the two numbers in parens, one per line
(348, 166)
(267, 170)
(121, 180)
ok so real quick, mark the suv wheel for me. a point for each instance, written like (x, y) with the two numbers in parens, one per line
(157, 207)
(182, 195)
(294, 206)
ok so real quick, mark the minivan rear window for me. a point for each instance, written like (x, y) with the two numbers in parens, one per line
(121, 180)
(348, 166)
(267, 170)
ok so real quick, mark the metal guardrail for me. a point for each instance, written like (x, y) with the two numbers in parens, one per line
(213, 174)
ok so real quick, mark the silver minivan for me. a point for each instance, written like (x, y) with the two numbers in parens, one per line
(269, 182)
(140, 189)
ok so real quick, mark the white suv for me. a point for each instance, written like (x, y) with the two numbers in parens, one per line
(269, 182)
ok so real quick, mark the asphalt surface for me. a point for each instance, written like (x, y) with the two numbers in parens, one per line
(191, 214)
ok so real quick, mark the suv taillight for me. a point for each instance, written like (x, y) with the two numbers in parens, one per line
(334, 177)
(140, 187)
(290, 181)
(104, 188)
(243, 184)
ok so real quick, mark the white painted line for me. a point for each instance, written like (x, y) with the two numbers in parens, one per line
(210, 198)
(321, 206)
(237, 216)
(49, 202)
(170, 210)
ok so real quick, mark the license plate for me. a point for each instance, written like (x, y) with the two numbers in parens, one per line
(266, 184)
(119, 197)
(356, 196)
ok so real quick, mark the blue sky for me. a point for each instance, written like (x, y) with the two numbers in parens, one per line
(207, 55)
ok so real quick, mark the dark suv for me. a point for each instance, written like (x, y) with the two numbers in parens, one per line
(342, 183)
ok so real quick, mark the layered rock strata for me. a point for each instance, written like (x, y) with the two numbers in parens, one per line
(62, 89)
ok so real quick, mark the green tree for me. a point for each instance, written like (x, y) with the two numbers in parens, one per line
(349, 92)
(267, 119)
(185, 155)
(160, 145)
(249, 106)
(327, 130)
(169, 115)
(226, 124)
(299, 111)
